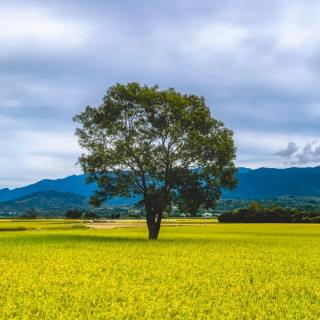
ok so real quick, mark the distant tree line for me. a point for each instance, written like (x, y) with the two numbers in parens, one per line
(258, 213)
(78, 214)
(298, 203)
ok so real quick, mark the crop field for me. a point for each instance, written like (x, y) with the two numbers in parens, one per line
(63, 270)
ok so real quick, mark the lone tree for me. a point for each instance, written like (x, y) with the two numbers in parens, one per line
(161, 145)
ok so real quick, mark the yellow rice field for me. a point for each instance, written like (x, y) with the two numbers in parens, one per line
(62, 270)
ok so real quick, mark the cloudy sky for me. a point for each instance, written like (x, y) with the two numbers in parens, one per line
(255, 62)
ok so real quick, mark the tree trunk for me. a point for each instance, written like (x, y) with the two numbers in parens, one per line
(154, 223)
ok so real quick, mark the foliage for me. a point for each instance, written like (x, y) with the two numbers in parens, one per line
(73, 214)
(297, 203)
(219, 271)
(90, 215)
(258, 213)
(31, 213)
(162, 145)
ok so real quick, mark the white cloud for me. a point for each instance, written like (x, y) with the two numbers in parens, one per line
(218, 37)
(262, 141)
(6, 121)
(49, 142)
(299, 27)
(39, 29)
(35, 155)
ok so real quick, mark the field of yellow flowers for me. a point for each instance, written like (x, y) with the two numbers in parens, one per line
(214, 271)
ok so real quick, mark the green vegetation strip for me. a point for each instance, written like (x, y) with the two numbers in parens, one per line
(22, 225)
(218, 271)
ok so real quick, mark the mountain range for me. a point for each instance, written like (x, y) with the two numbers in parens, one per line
(268, 182)
(255, 184)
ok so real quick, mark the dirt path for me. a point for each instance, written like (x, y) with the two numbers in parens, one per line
(114, 225)
(129, 224)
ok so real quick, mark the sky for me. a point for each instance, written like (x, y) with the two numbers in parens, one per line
(255, 62)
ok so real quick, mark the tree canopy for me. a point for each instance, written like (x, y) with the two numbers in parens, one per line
(160, 144)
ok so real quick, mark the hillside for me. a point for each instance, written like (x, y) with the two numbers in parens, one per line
(53, 202)
(75, 184)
